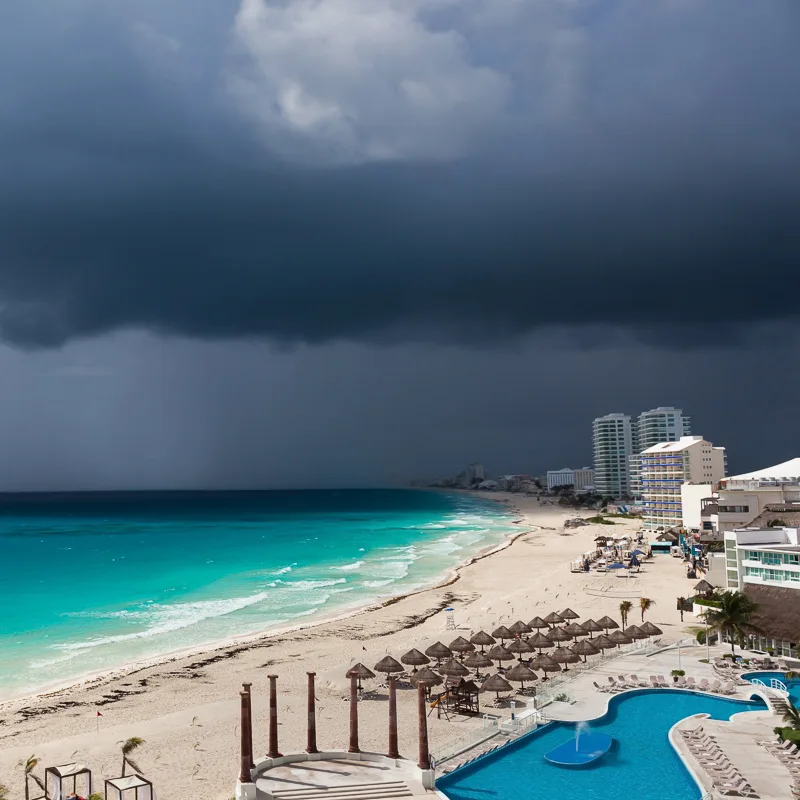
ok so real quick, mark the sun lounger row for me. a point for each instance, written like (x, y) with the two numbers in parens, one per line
(787, 752)
(727, 780)
(622, 683)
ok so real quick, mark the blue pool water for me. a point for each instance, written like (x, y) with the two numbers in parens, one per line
(96, 581)
(793, 686)
(641, 764)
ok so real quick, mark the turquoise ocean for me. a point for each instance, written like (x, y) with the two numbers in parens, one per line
(96, 581)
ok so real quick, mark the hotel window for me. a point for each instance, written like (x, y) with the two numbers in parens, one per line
(754, 572)
(792, 558)
(771, 558)
(773, 575)
(792, 576)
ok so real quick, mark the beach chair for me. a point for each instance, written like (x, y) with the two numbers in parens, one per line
(715, 687)
(690, 683)
(728, 688)
(637, 681)
(741, 789)
(615, 686)
(681, 682)
(624, 682)
(599, 688)
(654, 682)
(704, 687)
(663, 682)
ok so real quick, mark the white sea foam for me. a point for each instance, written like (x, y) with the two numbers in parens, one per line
(350, 567)
(314, 584)
(377, 584)
(284, 570)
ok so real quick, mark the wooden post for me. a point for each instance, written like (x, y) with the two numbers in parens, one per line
(311, 744)
(244, 738)
(393, 718)
(353, 715)
(273, 751)
(424, 755)
(246, 687)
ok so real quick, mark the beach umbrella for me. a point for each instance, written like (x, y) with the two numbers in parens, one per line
(476, 661)
(543, 662)
(389, 665)
(499, 653)
(520, 673)
(361, 672)
(585, 648)
(603, 642)
(568, 613)
(427, 677)
(634, 562)
(704, 586)
(650, 629)
(616, 565)
(452, 669)
(559, 635)
(638, 552)
(519, 628)
(590, 626)
(634, 632)
(537, 622)
(502, 633)
(415, 659)
(575, 630)
(563, 655)
(618, 637)
(553, 618)
(519, 646)
(461, 645)
(482, 639)
(496, 683)
(607, 623)
(438, 651)
(540, 641)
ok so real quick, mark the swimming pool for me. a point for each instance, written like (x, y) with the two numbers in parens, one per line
(641, 764)
(792, 685)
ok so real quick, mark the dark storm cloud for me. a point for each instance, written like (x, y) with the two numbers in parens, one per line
(187, 174)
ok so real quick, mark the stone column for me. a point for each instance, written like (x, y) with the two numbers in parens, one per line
(246, 741)
(424, 755)
(311, 744)
(273, 751)
(393, 718)
(246, 687)
(353, 715)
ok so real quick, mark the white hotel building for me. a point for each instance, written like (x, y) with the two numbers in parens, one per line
(612, 441)
(580, 479)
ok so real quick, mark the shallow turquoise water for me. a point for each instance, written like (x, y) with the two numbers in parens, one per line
(642, 764)
(95, 581)
(793, 686)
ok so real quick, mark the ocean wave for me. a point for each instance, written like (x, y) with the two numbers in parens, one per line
(314, 584)
(377, 584)
(284, 570)
(350, 567)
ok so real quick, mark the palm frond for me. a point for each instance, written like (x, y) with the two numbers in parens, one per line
(129, 745)
(133, 764)
(39, 782)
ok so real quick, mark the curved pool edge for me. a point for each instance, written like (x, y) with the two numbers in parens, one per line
(672, 739)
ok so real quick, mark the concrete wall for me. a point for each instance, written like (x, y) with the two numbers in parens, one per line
(691, 495)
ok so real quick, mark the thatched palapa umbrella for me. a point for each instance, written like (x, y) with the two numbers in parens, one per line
(519, 646)
(389, 665)
(482, 639)
(563, 655)
(557, 634)
(502, 633)
(575, 630)
(590, 626)
(476, 661)
(499, 653)
(521, 673)
(603, 642)
(554, 619)
(568, 613)
(650, 629)
(618, 637)
(543, 662)
(634, 632)
(585, 648)
(607, 623)
(427, 677)
(414, 658)
(496, 683)
(438, 651)
(461, 646)
(537, 623)
(452, 669)
(361, 672)
(519, 628)
(540, 641)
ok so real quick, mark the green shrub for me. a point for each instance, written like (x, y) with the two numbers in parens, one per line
(701, 637)
(788, 734)
(678, 673)
(562, 697)
(600, 520)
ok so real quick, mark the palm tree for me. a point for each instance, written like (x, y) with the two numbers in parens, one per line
(3, 792)
(645, 604)
(624, 608)
(734, 616)
(29, 765)
(128, 746)
(792, 715)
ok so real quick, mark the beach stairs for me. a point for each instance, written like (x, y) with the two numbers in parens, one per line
(778, 705)
(357, 791)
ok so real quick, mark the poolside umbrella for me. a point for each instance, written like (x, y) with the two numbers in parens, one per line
(499, 653)
(634, 632)
(519, 628)
(563, 655)
(603, 642)
(461, 645)
(540, 641)
(389, 665)
(482, 639)
(361, 672)
(521, 673)
(568, 613)
(607, 623)
(585, 648)
(553, 618)
(590, 626)
(537, 622)
(543, 662)
(415, 659)
(502, 633)
(638, 552)
(575, 630)
(650, 629)
(476, 661)
(452, 669)
(438, 651)
(496, 683)
(618, 637)
(427, 677)
(634, 562)
(617, 565)
(519, 646)
(559, 635)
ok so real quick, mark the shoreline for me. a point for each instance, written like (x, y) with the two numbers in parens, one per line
(248, 641)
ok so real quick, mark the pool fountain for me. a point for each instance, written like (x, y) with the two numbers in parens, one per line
(587, 748)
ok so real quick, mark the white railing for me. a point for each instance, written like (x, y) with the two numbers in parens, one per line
(488, 729)
(758, 682)
(774, 683)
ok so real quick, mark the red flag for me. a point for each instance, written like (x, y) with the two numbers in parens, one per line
(99, 714)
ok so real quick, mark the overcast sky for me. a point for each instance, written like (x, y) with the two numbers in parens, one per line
(348, 242)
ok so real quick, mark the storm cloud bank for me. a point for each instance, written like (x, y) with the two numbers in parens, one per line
(318, 170)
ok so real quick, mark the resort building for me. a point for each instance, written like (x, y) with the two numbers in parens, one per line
(742, 498)
(765, 564)
(580, 479)
(665, 467)
(662, 424)
(613, 446)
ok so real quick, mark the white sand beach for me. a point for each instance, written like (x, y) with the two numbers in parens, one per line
(186, 709)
